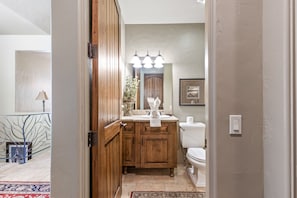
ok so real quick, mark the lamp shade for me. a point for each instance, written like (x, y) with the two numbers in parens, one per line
(158, 65)
(137, 65)
(135, 59)
(159, 59)
(147, 59)
(41, 96)
(148, 65)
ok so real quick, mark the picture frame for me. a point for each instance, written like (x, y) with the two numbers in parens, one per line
(15, 152)
(192, 92)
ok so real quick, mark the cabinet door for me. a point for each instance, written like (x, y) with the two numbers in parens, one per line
(128, 150)
(154, 151)
(128, 145)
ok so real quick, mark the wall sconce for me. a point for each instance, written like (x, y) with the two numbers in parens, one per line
(147, 61)
(42, 96)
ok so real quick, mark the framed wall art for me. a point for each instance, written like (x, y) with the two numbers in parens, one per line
(15, 152)
(191, 92)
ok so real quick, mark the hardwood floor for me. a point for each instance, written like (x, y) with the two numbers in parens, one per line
(36, 169)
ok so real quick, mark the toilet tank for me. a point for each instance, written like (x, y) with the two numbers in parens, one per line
(192, 134)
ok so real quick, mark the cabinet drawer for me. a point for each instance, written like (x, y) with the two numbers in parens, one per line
(148, 129)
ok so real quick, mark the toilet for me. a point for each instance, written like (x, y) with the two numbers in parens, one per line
(192, 138)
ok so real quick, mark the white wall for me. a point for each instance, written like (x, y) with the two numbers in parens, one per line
(70, 104)
(276, 98)
(182, 45)
(8, 45)
(33, 74)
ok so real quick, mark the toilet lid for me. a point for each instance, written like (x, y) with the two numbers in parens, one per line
(197, 154)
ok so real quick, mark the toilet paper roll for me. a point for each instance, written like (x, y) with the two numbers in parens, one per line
(190, 119)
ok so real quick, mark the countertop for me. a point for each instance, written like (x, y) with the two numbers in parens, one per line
(146, 118)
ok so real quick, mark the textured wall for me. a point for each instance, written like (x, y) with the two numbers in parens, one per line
(182, 45)
(238, 81)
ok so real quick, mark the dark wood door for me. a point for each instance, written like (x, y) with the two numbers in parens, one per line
(106, 158)
(153, 86)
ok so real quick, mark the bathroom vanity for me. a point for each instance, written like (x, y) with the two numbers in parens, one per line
(144, 146)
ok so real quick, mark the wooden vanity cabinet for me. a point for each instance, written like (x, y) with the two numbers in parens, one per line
(150, 147)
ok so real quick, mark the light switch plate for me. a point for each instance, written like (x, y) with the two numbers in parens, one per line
(235, 124)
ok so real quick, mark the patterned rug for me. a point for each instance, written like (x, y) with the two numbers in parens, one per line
(24, 189)
(161, 194)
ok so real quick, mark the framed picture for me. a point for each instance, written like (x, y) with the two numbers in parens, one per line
(16, 152)
(191, 92)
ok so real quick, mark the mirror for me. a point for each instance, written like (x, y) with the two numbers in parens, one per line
(154, 82)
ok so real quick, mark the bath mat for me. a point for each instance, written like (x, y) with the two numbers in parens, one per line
(163, 194)
(24, 189)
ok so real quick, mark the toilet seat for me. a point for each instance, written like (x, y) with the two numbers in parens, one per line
(197, 154)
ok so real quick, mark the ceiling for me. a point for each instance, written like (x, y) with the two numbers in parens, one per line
(161, 11)
(32, 17)
(25, 17)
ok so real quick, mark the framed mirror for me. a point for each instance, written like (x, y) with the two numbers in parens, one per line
(154, 82)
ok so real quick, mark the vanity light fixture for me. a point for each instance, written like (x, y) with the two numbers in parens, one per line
(147, 61)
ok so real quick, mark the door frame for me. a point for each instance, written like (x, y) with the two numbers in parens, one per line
(70, 103)
(293, 99)
(210, 95)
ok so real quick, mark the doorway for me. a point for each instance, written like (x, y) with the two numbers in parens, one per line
(182, 46)
(25, 127)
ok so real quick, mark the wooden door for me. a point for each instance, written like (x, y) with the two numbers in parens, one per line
(106, 155)
(153, 86)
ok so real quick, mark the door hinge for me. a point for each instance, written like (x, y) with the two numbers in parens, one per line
(92, 50)
(92, 138)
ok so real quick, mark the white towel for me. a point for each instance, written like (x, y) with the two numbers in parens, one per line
(155, 122)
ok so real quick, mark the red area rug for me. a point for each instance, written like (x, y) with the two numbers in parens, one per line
(24, 189)
(164, 194)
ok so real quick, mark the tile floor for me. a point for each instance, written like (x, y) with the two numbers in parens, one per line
(157, 180)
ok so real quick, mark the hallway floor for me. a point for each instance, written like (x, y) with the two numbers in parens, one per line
(36, 169)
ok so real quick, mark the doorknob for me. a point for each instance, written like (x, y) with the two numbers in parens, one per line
(122, 124)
